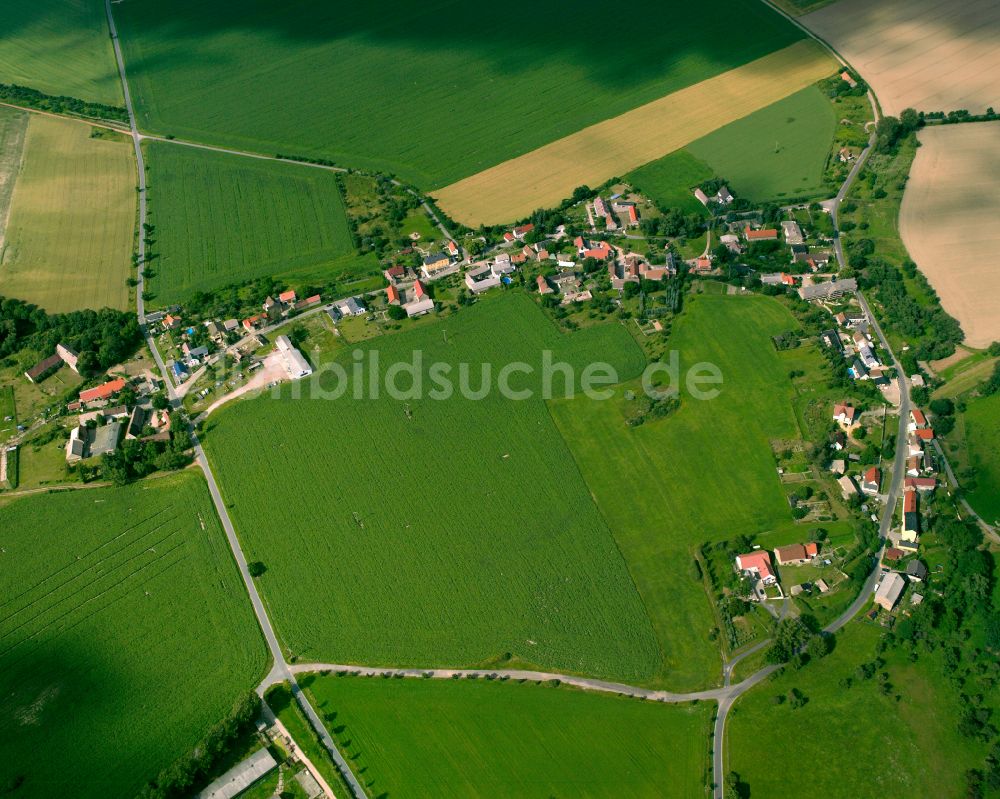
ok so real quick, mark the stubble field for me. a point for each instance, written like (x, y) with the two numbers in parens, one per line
(547, 175)
(222, 219)
(931, 55)
(72, 218)
(124, 635)
(948, 223)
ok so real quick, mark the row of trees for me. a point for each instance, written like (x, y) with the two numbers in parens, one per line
(102, 338)
(32, 98)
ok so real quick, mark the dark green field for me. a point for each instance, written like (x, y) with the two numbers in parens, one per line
(434, 738)
(223, 219)
(125, 633)
(431, 92)
(436, 532)
(59, 47)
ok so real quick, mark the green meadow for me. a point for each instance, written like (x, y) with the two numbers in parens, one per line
(435, 531)
(853, 742)
(432, 93)
(432, 738)
(981, 422)
(222, 219)
(669, 181)
(125, 634)
(777, 153)
(704, 473)
(59, 47)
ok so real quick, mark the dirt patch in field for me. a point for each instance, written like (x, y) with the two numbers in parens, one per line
(544, 177)
(13, 125)
(948, 223)
(932, 55)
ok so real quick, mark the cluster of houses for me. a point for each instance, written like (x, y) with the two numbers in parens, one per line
(101, 426)
(853, 339)
(407, 291)
(757, 565)
(63, 355)
(617, 215)
(919, 478)
(893, 583)
(274, 310)
(722, 197)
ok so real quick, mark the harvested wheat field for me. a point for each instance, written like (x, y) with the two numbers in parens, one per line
(948, 223)
(544, 177)
(68, 240)
(932, 55)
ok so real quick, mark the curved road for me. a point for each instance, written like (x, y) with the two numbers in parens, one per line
(279, 670)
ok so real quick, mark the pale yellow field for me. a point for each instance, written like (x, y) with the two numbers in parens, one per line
(69, 237)
(544, 177)
(931, 55)
(948, 222)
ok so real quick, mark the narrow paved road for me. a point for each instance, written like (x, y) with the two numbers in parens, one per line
(279, 670)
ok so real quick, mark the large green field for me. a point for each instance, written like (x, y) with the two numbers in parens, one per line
(222, 219)
(705, 473)
(853, 743)
(124, 635)
(436, 532)
(72, 218)
(433, 738)
(59, 47)
(432, 92)
(981, 421)
(776, 153)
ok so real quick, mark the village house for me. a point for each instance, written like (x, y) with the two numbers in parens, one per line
(295, 363)
(170, 322)
(828, 289)
(796, 554)
(253, 322)
(845, 414)
(286, 297)
(911, 517)
(434, 264)
(871, 481)
(91, 442)
(757, 564)
(732, 243)
(543, 285)
(502, 265)
(848, 79)
(600, 250)
(917, 420)
(892, 554)
(481, 278)
(838, 466)
(701, 197)
(890, 590)
(418, 302)
(793, 233)
(522, 230)
(349, 307)
(916, 571)
(308, 302)
(629, 211)
(102, 392)
(270, 304)
(920, 483)
(764, 234)
(452, 249)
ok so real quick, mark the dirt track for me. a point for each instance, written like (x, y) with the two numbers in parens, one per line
(948, 222)
(932, 55)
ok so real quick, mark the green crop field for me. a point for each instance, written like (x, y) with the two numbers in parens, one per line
(669, 181)
(435, 532)
(13, 129)
(776, 153)
(59, 47)
(982, 439)
(222, 219)
(854, 743)
(125, 633)
(433, 738)
(705, 473)
(72, 219)
(432, 93)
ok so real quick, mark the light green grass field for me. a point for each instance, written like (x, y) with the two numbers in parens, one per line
(705, 473)
(408, 89)
(853, 743)
(982, 440)
(72, 219)
(777, 153)
(433, 532)
(222, 219)
(669, 181)
(125, 634)
(13, 130)
(433, 738)
(59, 47)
